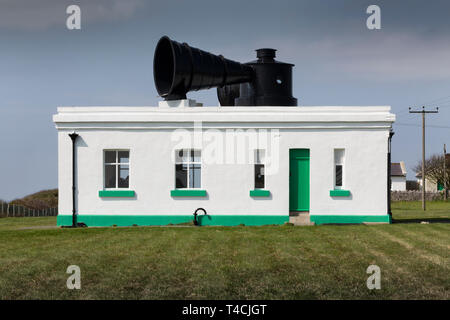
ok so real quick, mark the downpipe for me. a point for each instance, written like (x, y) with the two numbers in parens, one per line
(73, 136)
(389, 182)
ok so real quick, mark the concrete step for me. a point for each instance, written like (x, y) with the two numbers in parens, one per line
(301, 219)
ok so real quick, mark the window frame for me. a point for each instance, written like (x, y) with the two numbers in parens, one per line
(188, 164)
(117, 171)
(259, 162)
(341, 163)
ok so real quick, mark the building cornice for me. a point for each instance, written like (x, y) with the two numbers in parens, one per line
(218, 117)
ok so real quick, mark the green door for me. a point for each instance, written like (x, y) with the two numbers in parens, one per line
(299, 180)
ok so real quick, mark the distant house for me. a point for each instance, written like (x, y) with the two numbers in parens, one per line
(433, 186)
(430, 186)
(398, 176)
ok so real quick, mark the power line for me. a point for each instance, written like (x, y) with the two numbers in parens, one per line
(436, 100)
(418, 125)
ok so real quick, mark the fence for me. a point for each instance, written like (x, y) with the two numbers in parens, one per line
(12, 210)
(413, 195)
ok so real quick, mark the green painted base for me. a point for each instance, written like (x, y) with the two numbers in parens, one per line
(159, 220)
(322, 219)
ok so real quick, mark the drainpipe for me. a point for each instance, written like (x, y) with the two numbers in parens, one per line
(391, 133)
(74, 137)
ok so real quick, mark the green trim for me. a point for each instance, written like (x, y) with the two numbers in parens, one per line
(188, 193)
(259, 193)
(339, 193)
(149, 220)
(321, 219)
(116, 193)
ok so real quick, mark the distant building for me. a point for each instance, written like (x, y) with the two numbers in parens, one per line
(398, 176)
(430, 186)
(433, 186)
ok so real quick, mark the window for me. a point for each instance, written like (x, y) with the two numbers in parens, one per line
(117, 168)
(188, 169)
(339, 168)
(259, 169)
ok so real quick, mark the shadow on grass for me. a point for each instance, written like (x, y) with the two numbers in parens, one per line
(418, 220)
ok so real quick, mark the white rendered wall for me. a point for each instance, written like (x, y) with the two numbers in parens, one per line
(398, 183)
(152, 174)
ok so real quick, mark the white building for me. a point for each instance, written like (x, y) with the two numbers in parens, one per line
(243, 165)
(398, 176)
(430, 185)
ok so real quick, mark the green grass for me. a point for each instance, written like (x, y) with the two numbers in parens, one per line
(271, 262)
(404, 210)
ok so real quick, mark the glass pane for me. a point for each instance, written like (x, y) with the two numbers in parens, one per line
(124, 156)
(123, 176)
(259, 156)
(179, 155)
(259, 176)
(195, 176)
(196, 155)
(110, 176)
(181, 176)
(110, 157)
(182, 156)
(339, 176)
(339, 156)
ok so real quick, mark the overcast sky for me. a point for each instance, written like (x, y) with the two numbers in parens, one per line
(338, 61)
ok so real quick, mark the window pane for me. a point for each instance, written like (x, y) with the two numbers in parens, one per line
(196, 155)
(110, 156)
(110, 176)
(123, 176)
(181, 176)
(339, 156)
(195, 176)
(124, 156)
(339, 176)
(259, 156)
(179, 155)
(259, 176)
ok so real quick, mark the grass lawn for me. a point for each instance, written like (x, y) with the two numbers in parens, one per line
(271, 262)
(437, 211)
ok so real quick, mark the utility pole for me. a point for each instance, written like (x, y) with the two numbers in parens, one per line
(445, 174)
(423, 112)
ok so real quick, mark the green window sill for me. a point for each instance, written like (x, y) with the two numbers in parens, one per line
(259, 193)
(188, 193)
(339, 193)
(116, 193)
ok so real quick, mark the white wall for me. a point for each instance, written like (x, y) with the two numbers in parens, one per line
(398, 183)
(228, 186)
(430, 186)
